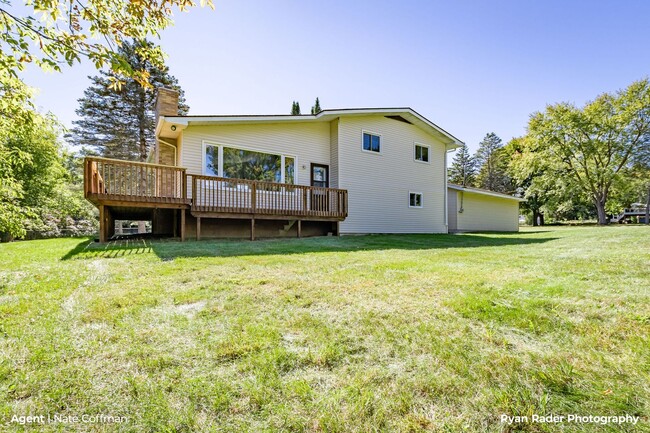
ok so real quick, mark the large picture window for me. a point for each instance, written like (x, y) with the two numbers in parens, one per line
(246, 164)
(235, 163)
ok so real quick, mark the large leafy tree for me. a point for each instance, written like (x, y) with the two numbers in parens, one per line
(492, 165)
(119, 123)
(596, 145)
(463, 167)
(36, 189)
(53, 33)
(16, 117)
(527, 177)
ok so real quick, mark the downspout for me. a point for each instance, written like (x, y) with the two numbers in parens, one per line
(446, 192)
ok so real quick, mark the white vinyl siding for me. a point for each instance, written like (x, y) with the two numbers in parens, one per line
(308, 142)
(483, 212)
(452, 220)
(334, 153)
(378, 188)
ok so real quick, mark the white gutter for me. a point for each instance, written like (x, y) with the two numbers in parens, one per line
(484, 192)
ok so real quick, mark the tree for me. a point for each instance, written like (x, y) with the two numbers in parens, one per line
(295, 108)
(528, 178)
(492, 165)
(598, 143)
(463, 167)
(16, 117)
(315, 109)
(57, 32)
(36, 192)
(119, 123)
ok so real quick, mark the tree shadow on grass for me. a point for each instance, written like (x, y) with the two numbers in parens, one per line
(172, 249)
(88, 248)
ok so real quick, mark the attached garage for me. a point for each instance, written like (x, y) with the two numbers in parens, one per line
(474, 210)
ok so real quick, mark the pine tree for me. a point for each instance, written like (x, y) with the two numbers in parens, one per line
(463, 168)
(295, 108)
(492, 164)
(316, 108)
(119, 123)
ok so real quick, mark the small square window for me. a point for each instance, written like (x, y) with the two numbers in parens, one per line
(415, 199)
(371, 142)
(421, 153)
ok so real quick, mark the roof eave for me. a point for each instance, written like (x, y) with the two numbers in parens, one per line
(484, 192)
(453, 142)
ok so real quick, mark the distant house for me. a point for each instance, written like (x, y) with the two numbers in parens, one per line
(347, 171)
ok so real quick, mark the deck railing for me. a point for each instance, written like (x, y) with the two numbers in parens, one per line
(116, 180)
(226, 195)
(133, 181)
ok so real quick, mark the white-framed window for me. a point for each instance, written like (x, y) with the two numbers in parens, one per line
(421, 152)
(371, 142)
(415, 199)
(235, 162)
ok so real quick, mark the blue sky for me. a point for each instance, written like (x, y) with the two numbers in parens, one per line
(472, 67)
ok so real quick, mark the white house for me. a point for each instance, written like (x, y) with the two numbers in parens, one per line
(366, 170)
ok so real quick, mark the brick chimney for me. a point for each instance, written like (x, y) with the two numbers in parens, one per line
(166, 102)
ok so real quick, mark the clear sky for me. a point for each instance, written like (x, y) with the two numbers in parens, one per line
(472, 67)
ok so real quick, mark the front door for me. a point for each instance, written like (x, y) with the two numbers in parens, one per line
(320, 177)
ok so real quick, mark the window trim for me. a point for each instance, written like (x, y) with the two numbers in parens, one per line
(415, 146)
(365, 131)
(421, 200)
(220, 147)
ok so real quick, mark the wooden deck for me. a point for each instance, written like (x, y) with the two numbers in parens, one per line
(126, 183)
(114, 184)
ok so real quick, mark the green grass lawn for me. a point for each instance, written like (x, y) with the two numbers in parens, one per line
(354, 334)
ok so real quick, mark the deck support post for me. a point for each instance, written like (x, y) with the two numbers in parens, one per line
(182, 225)
(338, 228)
(299, 228)
(110, 223)
(102, 224)
(252, 229)
(198, 228)
(175, 223)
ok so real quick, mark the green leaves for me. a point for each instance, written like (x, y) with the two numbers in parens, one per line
(595, 146)
(61, 30)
